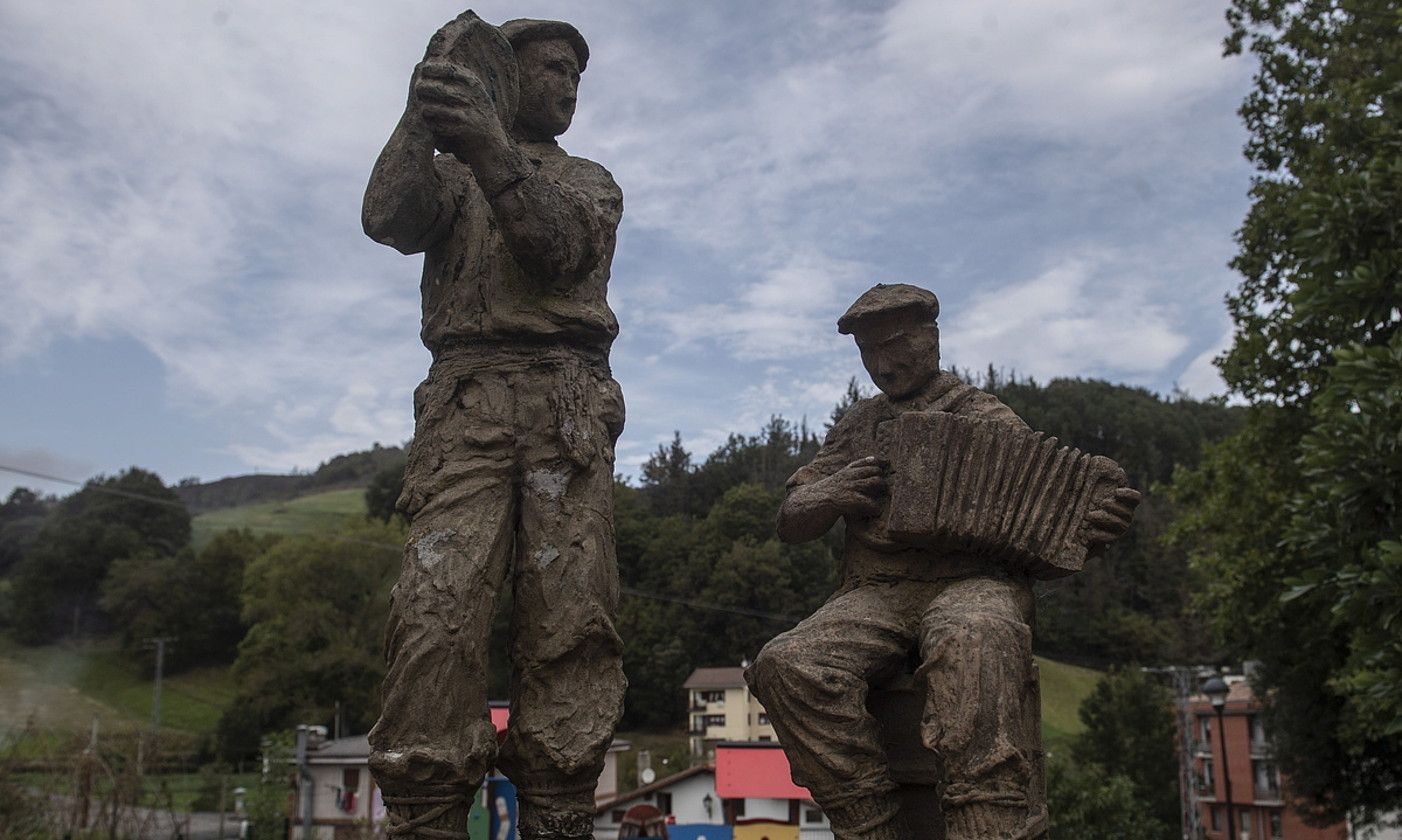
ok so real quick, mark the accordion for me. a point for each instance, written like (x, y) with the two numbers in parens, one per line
(984, 487)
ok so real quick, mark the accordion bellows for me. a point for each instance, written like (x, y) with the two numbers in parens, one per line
(984, 487)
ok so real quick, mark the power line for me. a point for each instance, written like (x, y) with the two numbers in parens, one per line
(113, 491)
(702, 605)
(626, 590)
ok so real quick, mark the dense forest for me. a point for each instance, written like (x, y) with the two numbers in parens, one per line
(707, 582)
(704, 579)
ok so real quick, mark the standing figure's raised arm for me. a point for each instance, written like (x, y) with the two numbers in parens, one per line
(407, 205)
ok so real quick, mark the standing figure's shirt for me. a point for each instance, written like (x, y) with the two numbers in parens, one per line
(551, 286)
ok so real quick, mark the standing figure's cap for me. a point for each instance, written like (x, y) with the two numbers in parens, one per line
(885, 299)
(525, 30)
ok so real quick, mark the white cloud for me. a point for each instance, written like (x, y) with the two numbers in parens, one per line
(1081, 68)
(1082, 315)
(1201, 378)
(188, 176)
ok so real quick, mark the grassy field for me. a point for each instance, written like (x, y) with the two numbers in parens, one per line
(314, 513)
(1063, 689)
(63, 687)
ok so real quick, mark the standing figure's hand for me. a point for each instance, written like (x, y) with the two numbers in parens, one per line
(456, 106)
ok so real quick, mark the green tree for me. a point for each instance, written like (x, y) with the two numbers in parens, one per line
(57, 585)
(1130, 733)
(193, 597)
(382, 494)
(21, 517)
(1291, 521)
(316, 608)
(1089, 803)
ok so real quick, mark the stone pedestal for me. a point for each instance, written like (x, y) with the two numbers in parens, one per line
(898, 707)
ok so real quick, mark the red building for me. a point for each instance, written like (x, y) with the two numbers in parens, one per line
(1260, 806)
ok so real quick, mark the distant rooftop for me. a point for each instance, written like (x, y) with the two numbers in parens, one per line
(703, 679)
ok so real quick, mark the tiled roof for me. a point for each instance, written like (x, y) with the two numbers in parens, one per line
(660, 784)
(703, 679)
(755, 770)
(352, 746)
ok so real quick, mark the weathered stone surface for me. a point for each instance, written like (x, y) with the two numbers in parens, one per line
(509, 479)
(952, 506)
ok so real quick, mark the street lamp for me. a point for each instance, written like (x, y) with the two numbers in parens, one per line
(1216, 690)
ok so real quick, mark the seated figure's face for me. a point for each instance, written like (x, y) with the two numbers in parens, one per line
(549, 85)
(901, 354)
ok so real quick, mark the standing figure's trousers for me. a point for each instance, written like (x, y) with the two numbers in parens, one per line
(974, 643)
(510, 476)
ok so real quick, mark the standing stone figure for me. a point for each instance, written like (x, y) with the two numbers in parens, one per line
(510, 475)
(961, 616)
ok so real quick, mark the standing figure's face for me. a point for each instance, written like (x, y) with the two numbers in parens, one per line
(549, 84)
(901, 354)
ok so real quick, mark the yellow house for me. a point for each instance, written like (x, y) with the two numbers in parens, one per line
(721, 708)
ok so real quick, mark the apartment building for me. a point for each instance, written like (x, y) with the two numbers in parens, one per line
(1260, 806)
(721, 708)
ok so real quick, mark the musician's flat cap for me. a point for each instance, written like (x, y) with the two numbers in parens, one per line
(525, 30)
(886, 299)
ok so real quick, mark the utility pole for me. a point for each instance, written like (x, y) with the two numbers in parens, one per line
(1184, 684)
(306, 787)
(159, 643)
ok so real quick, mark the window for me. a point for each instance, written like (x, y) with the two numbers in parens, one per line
(350, 779)
(737, 807)
(812, 815)
(1206, 782)
(617, 815)
(765, 738)
(1244, 822)
(708, 721)
(1267, 778)
(1216, 817)
(664, 803)
(1277, 830)
(1205, 731)
(763, 719)
(712, 696)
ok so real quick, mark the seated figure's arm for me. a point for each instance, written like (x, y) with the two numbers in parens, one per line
(810, 509)
(838, 482)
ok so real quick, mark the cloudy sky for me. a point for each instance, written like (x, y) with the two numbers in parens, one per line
(184, 284)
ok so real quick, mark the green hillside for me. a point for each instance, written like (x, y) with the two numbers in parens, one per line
(62, 687)
(317, 512)
(1063, 689)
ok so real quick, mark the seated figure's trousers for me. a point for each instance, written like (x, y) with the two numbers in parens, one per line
(974, 643)
(510, 477)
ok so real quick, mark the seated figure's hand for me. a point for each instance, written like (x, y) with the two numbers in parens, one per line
(857, 489)
(1110, 518)
(455, 105)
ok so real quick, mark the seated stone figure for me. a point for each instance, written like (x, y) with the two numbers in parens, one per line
(965, 617)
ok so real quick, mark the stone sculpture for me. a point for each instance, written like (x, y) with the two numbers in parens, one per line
(510, 475)
(937, 574)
